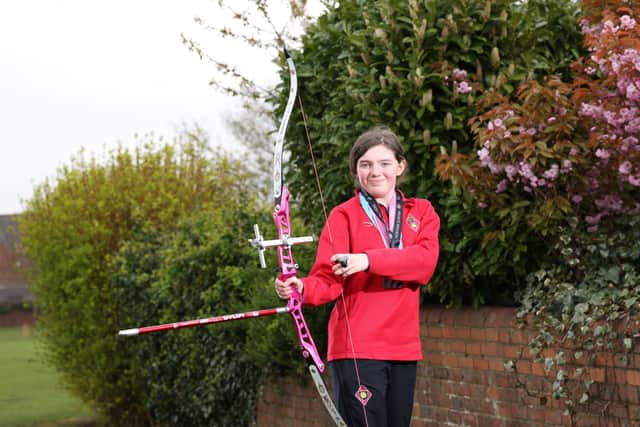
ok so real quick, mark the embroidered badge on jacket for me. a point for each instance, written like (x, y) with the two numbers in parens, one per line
(413, 223)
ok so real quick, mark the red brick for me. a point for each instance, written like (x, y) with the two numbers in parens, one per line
(470, 317)
(491, 349)
(504, 335)
(478, 334)
(596, 374)
(456, 347)
(482, 364)
(473, 348)
(629, 393)
(633, 377)
(496, 364)
(433, 331)
(491, 334)
(538, 369)
(634, 413)
(520, 337)
(604, 359)
(511, 351)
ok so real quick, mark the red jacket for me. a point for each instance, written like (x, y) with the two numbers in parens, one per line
(384, 322)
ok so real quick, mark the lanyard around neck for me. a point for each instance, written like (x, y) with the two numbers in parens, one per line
(392, 237)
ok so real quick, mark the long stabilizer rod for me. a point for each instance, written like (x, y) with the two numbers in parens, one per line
(202, 322)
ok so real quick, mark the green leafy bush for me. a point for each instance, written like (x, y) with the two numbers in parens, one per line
(584, 301)
(74, 226)
(419, 67)
(196, 376)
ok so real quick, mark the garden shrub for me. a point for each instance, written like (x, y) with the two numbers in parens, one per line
(200, 375)
(72, 228)
(419, 68)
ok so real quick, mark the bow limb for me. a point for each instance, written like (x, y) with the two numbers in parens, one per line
(279, 145)
(281, 217)
(288, 267)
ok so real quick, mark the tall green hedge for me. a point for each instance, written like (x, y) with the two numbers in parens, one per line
(196, 376)
(109, 255)
(394, 63)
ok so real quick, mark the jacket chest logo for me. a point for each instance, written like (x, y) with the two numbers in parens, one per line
(413, 223)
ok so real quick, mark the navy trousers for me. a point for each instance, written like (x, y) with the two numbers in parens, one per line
(391, 383)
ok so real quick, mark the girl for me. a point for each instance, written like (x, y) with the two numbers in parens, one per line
(375, 251)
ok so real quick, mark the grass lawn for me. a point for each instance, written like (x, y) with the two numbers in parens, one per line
(30, 392)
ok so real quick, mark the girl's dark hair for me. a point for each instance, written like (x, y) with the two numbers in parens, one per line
(371, 138)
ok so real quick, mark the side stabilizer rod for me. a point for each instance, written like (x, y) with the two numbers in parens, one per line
(202, 322)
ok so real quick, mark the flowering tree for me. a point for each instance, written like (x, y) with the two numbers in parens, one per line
(563, 149)
(564, 158)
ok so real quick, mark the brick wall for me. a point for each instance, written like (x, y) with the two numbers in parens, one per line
(462, 381)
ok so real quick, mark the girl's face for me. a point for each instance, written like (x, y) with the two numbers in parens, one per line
(378, 170)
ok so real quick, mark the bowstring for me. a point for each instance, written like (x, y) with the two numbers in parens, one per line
(326, 218)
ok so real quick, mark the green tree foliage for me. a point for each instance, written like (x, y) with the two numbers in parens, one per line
(78, 228)
(418, 67)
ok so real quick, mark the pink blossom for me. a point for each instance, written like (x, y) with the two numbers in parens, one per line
(625, 167)
(576, 199)
(531, 131)
(459, 74)
(609, 27)
(593, 220)
(634, 180)
(502, 186)
(632, 93)
(627, 22)
(602, 153)
(495, 169)
(629, 144)
(525, 170)
(633, 127)
(609, 202)
(483, 156)
(464, 87)
(593, 111)
(551, 119)
(552, 173)
(507, 134)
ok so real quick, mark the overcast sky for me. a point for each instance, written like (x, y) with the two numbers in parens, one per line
(90, 74)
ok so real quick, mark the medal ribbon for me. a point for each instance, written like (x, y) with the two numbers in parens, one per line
(390, 238)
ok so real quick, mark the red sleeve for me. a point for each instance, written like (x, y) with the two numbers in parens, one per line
(415, 262)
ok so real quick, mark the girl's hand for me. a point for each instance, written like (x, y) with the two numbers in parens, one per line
(284, 290)
(347, 264)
